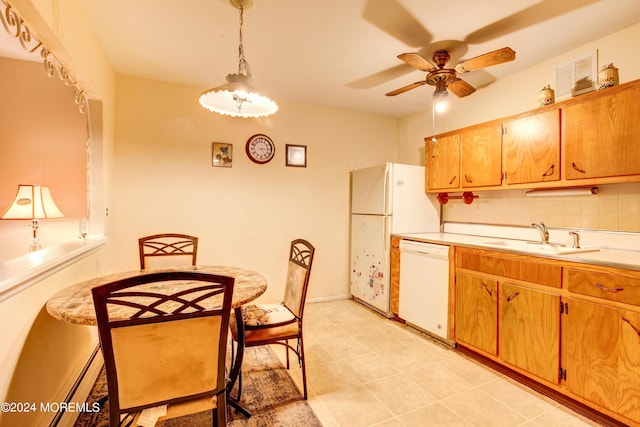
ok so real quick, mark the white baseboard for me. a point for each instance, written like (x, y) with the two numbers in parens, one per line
(331, 298)
(79, 390)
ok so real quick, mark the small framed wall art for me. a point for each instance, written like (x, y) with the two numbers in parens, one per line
(297, 155)
(222, 155)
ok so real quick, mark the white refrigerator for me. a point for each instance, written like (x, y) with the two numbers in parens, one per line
(385, 199)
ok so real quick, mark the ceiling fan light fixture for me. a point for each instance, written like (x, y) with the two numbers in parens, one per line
(440, 103)
(440, 96)
(238, 97)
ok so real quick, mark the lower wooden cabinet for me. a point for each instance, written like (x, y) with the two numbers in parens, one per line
(569, 327)
(476, 316)
(395, 275)
(529, 331)
(601, 356)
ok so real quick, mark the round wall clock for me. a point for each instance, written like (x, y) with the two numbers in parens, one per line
(260, 148)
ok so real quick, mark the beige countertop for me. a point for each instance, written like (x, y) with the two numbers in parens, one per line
(619, 258)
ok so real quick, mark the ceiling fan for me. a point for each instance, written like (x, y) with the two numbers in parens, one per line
(447, 78)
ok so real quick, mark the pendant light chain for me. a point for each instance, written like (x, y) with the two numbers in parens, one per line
(433, 129)
(243, 65)
(238, 97)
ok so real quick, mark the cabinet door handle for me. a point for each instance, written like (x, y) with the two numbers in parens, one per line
(453, 179)
(468, 179)
(484, 285)
(549, 171)
(604, 288)
(624, 319)
(512, 296)
(575, 167)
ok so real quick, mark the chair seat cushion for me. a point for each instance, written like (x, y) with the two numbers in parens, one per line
(177, 410)
(261, 336)
(265, 315)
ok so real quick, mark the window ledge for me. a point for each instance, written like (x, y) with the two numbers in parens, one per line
(25, 271)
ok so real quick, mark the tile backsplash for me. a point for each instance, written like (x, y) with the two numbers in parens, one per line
(615, 207)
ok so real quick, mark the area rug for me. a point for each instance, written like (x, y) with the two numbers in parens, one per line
(267, 391)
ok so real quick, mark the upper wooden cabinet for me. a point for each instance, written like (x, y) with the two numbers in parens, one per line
(588, 140)
(465, 159)
(443, 162)
(601, 134)
(480, 156)
(531, 148)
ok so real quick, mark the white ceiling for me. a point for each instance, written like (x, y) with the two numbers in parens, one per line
(342, 52)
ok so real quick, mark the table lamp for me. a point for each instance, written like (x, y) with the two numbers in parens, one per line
(33, 202)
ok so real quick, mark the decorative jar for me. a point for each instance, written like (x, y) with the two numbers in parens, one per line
(608, 77)
(546, 96)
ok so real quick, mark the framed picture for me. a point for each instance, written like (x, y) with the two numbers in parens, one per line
(297, 155)
(222, 155)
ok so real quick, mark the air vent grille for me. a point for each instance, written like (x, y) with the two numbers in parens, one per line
(576, 77)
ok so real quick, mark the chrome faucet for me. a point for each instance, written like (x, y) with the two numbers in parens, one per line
(544, 233)
(576, 239)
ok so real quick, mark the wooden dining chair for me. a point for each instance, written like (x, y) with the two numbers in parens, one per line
(278, 323)
(164, 340)
(165, 250)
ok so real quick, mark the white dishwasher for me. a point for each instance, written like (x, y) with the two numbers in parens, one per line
(424, 287)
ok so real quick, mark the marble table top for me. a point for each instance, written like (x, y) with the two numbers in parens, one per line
(75, 303)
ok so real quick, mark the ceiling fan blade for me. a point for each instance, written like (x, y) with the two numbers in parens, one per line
(393, 18)
(496, 57)
(406, 88)
(460, 88)
(380, 77)
(539, 12)
(416, 61)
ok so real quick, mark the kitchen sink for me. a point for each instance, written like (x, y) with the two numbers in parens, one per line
(538, 247)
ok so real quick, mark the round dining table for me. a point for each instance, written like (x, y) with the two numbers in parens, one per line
(74, 304)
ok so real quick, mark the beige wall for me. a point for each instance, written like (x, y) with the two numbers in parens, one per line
(617, 207)
(40, 357)
(245, 215)
(42, 141)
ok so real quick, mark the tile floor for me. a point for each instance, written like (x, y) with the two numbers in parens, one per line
(365, 370)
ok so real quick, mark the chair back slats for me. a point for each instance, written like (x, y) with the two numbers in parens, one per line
(164, 338)
(302, 253)
(157, 249)
(300, 261)
(164, 304)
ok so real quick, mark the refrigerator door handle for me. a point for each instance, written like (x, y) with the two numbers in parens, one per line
(387, 242)
(387, 191)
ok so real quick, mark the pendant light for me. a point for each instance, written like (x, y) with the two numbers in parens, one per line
(238, 97)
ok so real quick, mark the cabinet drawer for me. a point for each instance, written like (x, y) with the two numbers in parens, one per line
(619, 285)
(532, 270)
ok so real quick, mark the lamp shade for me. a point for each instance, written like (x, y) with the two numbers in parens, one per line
(32, 202)
(237, 98)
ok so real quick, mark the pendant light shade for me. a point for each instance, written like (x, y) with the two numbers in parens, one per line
(238, 97)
